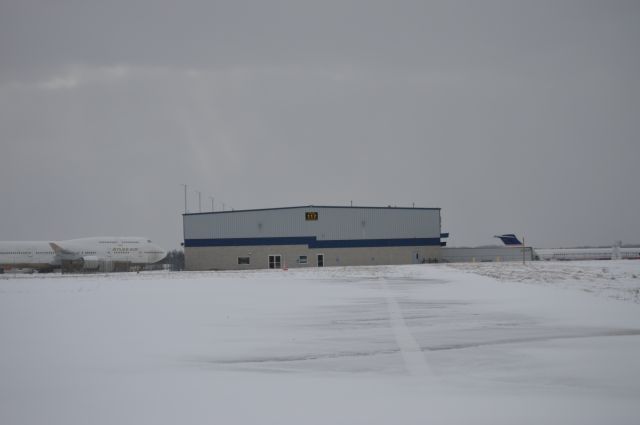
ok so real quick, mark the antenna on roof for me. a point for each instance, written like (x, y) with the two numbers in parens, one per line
(185, 197)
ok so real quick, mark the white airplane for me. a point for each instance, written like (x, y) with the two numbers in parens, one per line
(88, 252)
(569, 254)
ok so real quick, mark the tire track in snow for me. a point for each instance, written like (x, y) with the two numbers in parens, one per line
(412, 354)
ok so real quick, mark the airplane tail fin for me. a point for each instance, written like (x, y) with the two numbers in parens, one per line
(58, 249)
(509, 239)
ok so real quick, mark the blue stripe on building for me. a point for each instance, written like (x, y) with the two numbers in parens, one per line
(313, 242)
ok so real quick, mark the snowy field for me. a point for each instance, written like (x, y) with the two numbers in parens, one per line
(466, 343)
(615, 279)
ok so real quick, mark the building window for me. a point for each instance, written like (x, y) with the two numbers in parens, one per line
(244, 260)
(275, 261)
(302, 259)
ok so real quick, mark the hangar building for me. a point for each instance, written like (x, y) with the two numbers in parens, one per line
(311, 236)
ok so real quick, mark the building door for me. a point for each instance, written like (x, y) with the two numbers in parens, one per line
(320, 260)
(275, 261)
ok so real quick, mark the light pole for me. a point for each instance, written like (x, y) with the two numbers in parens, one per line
(212, 199)
(199, 200)
(185, 197)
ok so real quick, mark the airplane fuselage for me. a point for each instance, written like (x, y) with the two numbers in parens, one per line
(572, 254)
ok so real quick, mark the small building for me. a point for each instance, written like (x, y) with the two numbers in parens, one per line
(311, 236)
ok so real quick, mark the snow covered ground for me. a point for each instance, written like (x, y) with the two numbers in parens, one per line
(478, 343)
(615, 279)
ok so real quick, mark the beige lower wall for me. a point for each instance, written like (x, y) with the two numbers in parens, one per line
(226, 258)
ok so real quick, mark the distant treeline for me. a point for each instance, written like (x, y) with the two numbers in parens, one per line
(175, 259)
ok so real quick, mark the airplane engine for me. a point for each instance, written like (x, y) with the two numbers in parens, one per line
(90, 263)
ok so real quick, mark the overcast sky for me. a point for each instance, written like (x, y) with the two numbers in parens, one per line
(511, 116)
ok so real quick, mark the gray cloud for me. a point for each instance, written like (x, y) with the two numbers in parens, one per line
(511, 116)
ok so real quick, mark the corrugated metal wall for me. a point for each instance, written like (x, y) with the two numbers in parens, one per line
(334, 223)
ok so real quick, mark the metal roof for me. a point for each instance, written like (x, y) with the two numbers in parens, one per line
(312, 206)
